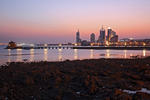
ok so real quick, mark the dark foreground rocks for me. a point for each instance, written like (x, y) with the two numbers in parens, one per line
(97, 79)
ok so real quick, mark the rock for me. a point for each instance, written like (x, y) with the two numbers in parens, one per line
(68, 96)
(141, 96)
(141, 83)
(118, 92)
(124, 96)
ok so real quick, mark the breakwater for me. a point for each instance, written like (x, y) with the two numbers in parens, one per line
(88, 47)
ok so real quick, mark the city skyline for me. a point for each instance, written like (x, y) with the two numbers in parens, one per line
(109, 36)
(55, 22)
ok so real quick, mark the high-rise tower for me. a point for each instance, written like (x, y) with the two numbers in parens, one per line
(112, 37)
(92, 38)
(78, 40)
(109, 34)
(102, 35)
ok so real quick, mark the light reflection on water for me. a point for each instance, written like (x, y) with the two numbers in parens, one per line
(59, 54)
(131, 54)
(9, 54)
(75, 54)
(31, 54)
(144, 53)
(125, 53)
(91, 53)
(45, 54)
(63, 54)
(19, 55)
(107, 53)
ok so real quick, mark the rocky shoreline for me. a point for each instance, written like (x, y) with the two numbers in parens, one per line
(95, 79)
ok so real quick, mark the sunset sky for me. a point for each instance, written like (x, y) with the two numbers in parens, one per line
(55, 21)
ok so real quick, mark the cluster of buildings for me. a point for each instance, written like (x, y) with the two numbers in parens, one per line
(103, 39)
(134, 42)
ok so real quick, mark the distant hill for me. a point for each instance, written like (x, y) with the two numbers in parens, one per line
(3, 44)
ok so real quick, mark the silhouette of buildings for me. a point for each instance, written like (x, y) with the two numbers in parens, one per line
(85, 43)
(111, 37)
(102, 35)
(114, 38)
(78, 40)
(92, 38)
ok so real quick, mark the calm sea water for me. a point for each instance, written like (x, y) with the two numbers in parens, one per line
(63, 54)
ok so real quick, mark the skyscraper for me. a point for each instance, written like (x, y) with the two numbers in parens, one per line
(113, 33)
(92, 38)
(78, 40)
(114, 38)
(109, 34)
(102, 35)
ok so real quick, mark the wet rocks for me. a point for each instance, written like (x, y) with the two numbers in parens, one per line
(95, 79)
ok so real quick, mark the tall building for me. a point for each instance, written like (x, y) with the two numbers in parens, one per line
(78, 40)
(113, 33)
(114, 39)
(92, 38)
(109, 35)
(102, 35)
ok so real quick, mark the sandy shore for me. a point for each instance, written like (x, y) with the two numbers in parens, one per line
(97, 79)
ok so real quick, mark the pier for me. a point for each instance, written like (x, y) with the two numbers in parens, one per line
(43, 47)
(86, 47)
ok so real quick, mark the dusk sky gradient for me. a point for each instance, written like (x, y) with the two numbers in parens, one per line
(55, 21)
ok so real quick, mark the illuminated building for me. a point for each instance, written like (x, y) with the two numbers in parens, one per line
(109, 34)
(12, 44)
(114, 39)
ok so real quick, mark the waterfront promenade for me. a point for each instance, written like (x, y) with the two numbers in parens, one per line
(114, 47)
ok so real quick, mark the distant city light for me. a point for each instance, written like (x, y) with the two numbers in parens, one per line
(107, 43)
(32, 45)
(144, 44)
(131, 38)
(60, 45)
(125, 43)
(45, 45)
(92, 44)
(75, 44)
